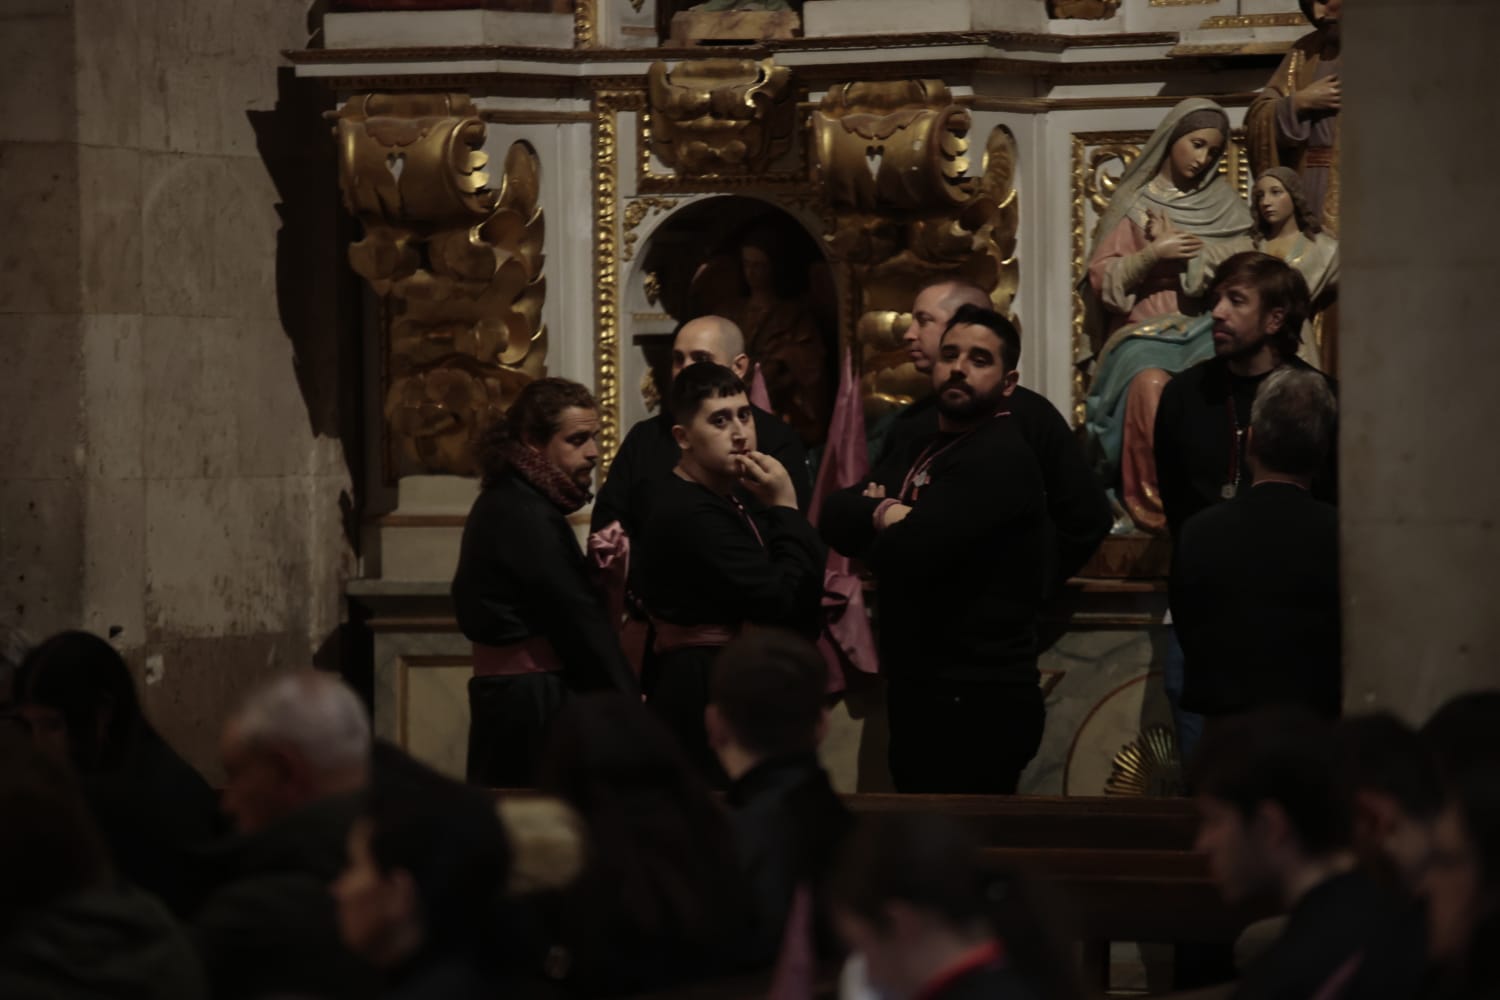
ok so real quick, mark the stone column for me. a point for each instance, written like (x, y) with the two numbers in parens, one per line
(1420, 483)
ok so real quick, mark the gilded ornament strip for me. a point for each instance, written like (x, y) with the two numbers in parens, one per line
(1289, 19)
(635, 213)
(586, 24)
(607, 106)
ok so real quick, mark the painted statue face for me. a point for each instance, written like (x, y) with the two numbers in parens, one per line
(1273, 203)
(757, 268)
(1326, 11)
(970, 377)
(574, 449)
(719, 434)
(1192, 155)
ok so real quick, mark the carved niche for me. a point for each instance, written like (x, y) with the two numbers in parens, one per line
(894, 160)
(455, 263)
(716, 117)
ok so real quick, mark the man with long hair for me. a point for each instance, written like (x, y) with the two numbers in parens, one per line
(522, 592)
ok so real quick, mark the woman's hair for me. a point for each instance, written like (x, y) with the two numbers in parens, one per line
(931, 863)
(448, 837)
(1307, 216)
(661, 854)
(532, 418)
(85, 679)
(48, 838)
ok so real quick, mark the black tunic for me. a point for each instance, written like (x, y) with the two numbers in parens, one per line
(1078, 512)
(521, 574)
(961, 578)
(1195, 433)
(702, 564)
(788, 826)
(649, 454)
(1255, 601)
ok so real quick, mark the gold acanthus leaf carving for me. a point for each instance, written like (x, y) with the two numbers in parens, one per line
(891, 252)
(456, 264)
(635, 213)
(721, 116)
(892, 145)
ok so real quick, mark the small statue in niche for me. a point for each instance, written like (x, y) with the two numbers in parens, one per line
(1294, 121)
(766, 296)
(1287, 227)
(1172, 220)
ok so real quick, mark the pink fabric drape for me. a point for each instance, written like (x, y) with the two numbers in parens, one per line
(759, 395)
(847, 636)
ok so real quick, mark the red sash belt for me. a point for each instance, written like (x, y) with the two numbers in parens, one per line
(670, 637)
(533, 655)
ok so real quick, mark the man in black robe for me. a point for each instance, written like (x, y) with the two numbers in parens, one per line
(522, 591)
(953, 525)
(712, 564)
(766, 717)
(649, 452)
(1078, 513)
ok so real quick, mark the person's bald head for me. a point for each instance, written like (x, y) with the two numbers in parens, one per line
(711, 339)
(935, 305)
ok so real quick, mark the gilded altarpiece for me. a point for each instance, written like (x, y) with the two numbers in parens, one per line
(455, 263)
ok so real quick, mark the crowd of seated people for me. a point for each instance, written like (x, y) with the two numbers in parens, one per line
(341, 867)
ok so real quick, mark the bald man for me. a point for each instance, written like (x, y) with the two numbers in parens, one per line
(649, 452)
(1077, 509)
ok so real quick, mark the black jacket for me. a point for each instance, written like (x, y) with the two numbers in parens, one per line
(272, 927)
(1255, 602)
(521, 573)
(649, 454)
(1195, 441)
(788, 825)
(1078, 514)
(962, 577)
(102, 944)
(703, 565)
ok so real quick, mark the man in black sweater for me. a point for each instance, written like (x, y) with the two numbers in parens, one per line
(1255, 581)
(522, 591)
(953, 526)
(648, 453)
(766, 716)
(1078, 514)
(1259, 305)
(711, 563)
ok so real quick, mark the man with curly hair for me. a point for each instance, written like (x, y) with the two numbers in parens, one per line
(522, 591)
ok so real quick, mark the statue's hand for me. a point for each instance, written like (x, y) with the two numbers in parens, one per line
(1177, 246)
(1326, 94)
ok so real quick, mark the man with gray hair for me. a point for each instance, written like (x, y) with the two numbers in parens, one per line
(1255, 580)
(296, 758)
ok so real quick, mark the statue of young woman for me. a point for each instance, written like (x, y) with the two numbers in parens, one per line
(1286, 226)
(1173, 218)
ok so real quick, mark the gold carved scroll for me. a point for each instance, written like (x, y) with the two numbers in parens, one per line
(894, 157)
(456, 264)
(712, 117)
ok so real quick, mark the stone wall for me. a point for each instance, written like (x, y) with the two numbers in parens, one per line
(1420, 489)
(175, 411)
